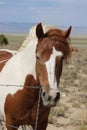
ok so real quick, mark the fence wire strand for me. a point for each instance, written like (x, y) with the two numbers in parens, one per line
(8, 85)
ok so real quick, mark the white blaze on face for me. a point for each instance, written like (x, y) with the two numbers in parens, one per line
(50, 66)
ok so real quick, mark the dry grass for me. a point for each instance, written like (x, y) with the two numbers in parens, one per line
(14, 41)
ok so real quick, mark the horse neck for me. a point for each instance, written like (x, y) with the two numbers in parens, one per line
(30, 47)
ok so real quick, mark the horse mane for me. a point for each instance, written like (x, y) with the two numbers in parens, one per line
(32, 34)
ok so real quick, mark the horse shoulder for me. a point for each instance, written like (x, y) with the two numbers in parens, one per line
(19, 105)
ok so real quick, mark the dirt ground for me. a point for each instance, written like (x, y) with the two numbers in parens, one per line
(71, 111)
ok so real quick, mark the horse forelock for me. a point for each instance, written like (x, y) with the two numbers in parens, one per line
(63, 44)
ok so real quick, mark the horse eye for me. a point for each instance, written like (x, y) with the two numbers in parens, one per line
(38, 58)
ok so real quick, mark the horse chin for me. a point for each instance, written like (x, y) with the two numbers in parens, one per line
(49, 103)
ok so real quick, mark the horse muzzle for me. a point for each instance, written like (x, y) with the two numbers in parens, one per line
(51, 98)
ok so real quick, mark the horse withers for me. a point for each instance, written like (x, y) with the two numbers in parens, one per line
(38, 64)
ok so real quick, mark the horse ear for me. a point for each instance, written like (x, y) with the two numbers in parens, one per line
(67, 32)
(39, 31)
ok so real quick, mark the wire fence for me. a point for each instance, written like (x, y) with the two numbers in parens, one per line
(7, 85)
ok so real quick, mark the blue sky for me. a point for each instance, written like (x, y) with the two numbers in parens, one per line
(57, 12)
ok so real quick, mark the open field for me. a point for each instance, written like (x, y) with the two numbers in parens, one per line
(15, 40)
(71, 112)
(79, 40)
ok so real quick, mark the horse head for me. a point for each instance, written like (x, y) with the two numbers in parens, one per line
(52, 48)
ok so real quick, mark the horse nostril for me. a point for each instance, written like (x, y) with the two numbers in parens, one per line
(57, 96)
(44, 93)
(49, 98)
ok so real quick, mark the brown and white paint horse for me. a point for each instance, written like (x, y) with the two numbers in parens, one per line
(39, 64)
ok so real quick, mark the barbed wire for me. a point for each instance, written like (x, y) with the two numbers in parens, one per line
(38, 108)
(14, 85)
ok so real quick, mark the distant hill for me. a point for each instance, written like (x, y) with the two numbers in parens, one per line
(22, 28)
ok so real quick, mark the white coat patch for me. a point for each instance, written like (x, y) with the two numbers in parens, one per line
(50, 65)
(15, 72)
